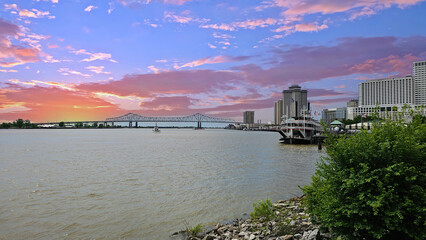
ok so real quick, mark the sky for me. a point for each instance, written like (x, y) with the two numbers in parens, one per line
(71, 60)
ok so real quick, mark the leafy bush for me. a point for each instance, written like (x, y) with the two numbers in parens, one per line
(262, 209)
(372, 184)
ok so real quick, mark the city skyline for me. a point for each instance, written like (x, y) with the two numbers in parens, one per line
(90, 60)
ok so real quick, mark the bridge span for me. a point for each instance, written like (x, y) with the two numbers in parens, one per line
(198, 118)
(135, 118)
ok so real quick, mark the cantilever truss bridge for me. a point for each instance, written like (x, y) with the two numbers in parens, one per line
(198, 117)
(131, 117)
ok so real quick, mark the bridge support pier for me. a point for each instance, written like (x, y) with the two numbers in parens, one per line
(198, 124)
(130, 124)
(112, 124)
(136, 124)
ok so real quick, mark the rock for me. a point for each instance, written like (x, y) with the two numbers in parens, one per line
(297, 236)
(315, 234)
(252, 237)
(305, 235)
(209, 237)
(311, 235)
(182, 235)
(286, 237)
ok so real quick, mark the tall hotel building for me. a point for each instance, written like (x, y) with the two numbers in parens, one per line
(386, 92)
(419, 72)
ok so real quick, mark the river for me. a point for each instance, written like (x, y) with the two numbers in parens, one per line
(136, 184)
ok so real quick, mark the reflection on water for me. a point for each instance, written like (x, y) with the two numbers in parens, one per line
(134, 184)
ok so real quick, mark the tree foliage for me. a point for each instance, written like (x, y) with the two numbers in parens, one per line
(372, 184)
(20, 123)
(357, 119)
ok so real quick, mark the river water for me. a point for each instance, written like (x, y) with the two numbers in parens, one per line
(136, 184)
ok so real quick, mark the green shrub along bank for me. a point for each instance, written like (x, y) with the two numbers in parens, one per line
(371, 185)
(262, 209)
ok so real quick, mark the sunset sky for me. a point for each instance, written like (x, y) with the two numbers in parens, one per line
(64, 60)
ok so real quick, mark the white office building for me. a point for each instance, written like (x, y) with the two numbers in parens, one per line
(386, 92)
(419, 74)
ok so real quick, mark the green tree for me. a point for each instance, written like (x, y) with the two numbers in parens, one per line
(61, 124)
(6, 125)
(371, 185)
(18, 123)
(79, 125)
(27, 123)
(95, 125)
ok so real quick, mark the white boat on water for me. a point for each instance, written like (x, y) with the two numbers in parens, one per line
(156, 129)
(299, 130)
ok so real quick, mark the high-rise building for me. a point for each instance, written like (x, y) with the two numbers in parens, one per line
(278, 111)
(295, 102)
(248, 117)
(386, 92)
(419, 72)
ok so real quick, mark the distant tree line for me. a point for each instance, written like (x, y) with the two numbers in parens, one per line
(20, 123)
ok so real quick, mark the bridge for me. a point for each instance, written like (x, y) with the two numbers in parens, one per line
(135, 118)
(198, 118)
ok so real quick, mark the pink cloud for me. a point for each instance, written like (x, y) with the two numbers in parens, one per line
(182, 18)
(326, 101)
(349, 56)
(213, 60)
(248, 24)
(309, 27)
(387, 64)
(93, 56)
(10, 54)
(42, 104)
(306, 7)
(137, 3)
(301, 27)
(317, 92)
(171, 82)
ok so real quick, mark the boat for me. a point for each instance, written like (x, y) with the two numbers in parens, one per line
(300, 130)
(156, 129)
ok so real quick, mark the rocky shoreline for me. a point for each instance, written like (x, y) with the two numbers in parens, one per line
(290, 222)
